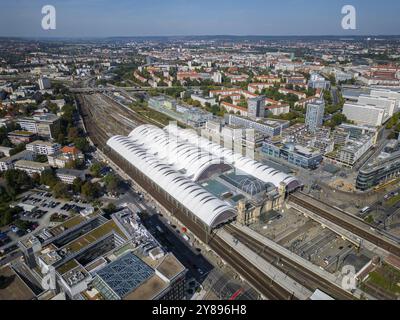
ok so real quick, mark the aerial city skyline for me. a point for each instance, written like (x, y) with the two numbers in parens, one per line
(99, 18)
(205, 153)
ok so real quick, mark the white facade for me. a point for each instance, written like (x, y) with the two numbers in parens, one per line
(31, 167)
(43, 147)
(364, 114)
(383, 103)
(205, 206)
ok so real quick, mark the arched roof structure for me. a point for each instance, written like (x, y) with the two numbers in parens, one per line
(211, 210)
(245, 164)
(167, 147)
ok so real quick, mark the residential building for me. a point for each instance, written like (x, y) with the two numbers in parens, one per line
(65, 156)
(217, 77)
(234, 109)
(31, 167)
(44, 125)
(353, 150)
(43, 147)
(69, 175)
(7, 163)
(203, 100)
(256, 107)
(269, 127)
(315, 115)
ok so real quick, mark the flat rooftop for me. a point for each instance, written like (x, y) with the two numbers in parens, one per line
(70, 223)
(93, 236)
(21, 133)
(42, 143)
(32, 164)
(68, 266)
(170, 267)
(148, 290)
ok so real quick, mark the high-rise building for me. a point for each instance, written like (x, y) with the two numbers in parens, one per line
(44, 83)
(217, 77)
(256, 108)
(315, 115)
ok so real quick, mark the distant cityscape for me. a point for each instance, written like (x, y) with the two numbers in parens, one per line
(200, 168)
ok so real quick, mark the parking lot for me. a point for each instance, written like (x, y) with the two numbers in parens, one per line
(38, 208)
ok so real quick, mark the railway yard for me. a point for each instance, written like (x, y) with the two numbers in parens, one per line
(103, 117)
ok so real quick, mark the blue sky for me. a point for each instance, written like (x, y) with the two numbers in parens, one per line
(86, 18)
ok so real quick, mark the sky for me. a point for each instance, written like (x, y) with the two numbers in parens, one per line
(105, 18)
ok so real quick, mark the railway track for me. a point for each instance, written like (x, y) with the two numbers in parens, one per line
(255, 277)
(347, 221)
(296, 271)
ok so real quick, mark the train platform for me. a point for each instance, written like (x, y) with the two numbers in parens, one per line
(269, 270)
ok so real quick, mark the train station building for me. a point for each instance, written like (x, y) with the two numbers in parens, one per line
(209, 182)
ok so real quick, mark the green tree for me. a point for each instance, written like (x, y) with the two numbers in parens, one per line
(77, 185)
(96, 168)
(73, 133)
(48, 178)
(41, 158)
(82, 144)
(111, 208)
(90, 190)
(17, 180)
(20, 147)
(112, 182)
(60, 190)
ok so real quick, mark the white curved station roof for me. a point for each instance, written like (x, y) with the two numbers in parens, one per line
(245, 164)
(180, 154)
(209, 209)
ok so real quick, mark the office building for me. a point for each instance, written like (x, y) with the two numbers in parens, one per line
(308, 158)
(318, 82)
(365, 115)
(44, 125)
(315, 115)
(384, 168)
(96, 258)
(269, 127)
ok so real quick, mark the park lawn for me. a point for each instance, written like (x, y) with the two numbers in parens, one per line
(386, 277)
